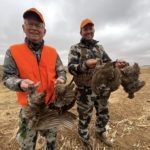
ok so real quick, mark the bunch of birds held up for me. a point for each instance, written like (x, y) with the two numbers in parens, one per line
(41, 117)
(107, 78)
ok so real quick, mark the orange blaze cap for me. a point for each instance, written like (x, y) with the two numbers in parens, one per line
(85, 22)
(35, 11)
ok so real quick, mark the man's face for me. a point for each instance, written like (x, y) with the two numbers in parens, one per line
(87, 32)
(34, 29)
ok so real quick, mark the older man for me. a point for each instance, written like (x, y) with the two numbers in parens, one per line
(28, 63)
(83, 58)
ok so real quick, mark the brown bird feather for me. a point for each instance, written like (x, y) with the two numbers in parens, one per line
(106, 79)
(130, 79)
(41, 117)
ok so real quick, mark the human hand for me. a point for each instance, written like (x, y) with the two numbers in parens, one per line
(91, 63)
(59, 80)
(25, 84)
(120, 63)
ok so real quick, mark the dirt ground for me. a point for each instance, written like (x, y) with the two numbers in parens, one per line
(128, 128)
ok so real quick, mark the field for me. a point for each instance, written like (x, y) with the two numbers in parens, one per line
(129, 125)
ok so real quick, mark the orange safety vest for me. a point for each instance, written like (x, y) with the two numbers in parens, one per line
(30, 69)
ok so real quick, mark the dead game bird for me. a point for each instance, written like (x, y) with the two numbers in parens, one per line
(106, 79)
(41, 117)
(65, 96)
(130, 79)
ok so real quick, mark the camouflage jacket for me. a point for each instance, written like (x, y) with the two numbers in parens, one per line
(11, 76)
(81, 52)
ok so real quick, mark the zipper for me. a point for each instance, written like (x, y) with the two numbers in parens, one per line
(38, 62)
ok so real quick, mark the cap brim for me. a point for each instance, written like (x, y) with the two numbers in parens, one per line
(87, 23)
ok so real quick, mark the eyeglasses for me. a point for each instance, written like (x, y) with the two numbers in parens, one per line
(37, 25)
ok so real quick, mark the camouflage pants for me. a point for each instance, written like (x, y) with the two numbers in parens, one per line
(86, 101)
(27, 137)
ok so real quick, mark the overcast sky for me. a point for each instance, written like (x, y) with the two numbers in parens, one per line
(122, 26)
